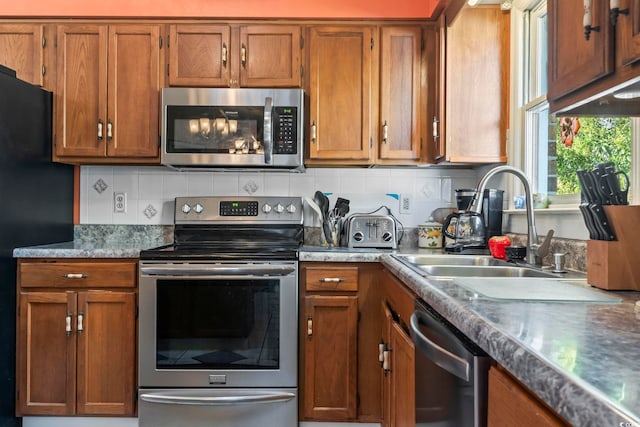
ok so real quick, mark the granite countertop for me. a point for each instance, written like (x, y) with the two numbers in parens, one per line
(580, 358)
(86, 249)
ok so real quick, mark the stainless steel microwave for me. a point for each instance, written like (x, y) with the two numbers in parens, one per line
(232, 128)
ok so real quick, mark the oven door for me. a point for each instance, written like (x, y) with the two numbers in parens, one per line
(206, 324)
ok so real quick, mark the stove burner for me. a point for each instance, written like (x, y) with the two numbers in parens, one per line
(213, 232)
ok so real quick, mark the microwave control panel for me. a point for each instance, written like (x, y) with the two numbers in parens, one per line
(285, 132)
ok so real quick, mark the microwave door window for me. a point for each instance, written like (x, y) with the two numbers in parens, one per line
(218, 324)
(217, 130)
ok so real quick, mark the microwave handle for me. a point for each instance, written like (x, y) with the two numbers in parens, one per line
(268, 131)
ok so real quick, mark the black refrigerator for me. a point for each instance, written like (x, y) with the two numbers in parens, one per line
(36, 206)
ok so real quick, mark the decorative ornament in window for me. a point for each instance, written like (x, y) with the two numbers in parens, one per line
(569, 126)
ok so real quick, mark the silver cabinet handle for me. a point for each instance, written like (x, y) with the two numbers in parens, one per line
(385, 132)
(445, 359)
(224, 54)
(435, 128)
(100, 125)
(109, 130)
(243, 55)
(331, 280)
(381, 347)
(268, 132)
(309, 326)
(75, 276)
(80, 320)
(386, 363)
(216, 400)
(68, 323)
(313, 132)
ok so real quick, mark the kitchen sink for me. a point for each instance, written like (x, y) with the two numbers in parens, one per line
(450, 266)
(499, 280)
(420, 260)
(482, 271)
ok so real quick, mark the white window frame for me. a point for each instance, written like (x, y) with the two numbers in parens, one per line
(563, 217)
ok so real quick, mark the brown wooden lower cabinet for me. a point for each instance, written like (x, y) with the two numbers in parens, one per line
(511, 404)
(339, 331)
(397, 352)
(76, 342)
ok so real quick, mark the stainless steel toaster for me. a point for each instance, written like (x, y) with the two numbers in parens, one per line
(370, 231)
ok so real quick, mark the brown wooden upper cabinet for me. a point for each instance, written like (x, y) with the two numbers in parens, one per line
(581, 68)
(204, 55)
(401, 117)
(107, 93)
(28, 49)
(475, 111)
(341, 62)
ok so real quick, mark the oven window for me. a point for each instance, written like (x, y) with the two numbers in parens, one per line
(218, 324)
(219, 130)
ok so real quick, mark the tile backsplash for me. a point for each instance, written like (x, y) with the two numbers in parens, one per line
(150, 190)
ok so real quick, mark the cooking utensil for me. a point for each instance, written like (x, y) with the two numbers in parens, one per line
(341, 207)
(601, 222)
(314, 206)
(323, 204)
(610, 181)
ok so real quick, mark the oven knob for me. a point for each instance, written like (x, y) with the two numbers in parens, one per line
(387, 236)
(291, 208)
(266, 208)
(186, 208)
(198, 208)
(358, 236)
(279, 208)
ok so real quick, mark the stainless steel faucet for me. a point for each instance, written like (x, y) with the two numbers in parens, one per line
(535, 252)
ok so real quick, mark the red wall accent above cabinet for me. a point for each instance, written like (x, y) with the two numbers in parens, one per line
(221, 8)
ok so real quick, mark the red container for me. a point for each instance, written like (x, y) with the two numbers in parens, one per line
(497, 245)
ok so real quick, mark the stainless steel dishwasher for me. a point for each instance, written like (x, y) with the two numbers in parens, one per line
(451, 373)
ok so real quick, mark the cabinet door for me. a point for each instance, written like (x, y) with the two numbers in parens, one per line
(628, 32)
(22, 49)
(81, 95)
(340, 84)
(512, 405)
(574, 61)
(199, 55)
(331, 358)
(387, 321)
(402, 367)
(46, 359)
(133, 91)
(400, 102)
(106, 353)
(270, 56)
(477, 86)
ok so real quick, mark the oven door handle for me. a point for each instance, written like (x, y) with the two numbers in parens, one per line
(262, 270)
(217, 400)
(442, 357)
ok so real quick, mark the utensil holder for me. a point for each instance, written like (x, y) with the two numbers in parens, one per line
(615, 265)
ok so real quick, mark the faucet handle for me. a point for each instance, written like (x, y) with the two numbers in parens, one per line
(543, 249)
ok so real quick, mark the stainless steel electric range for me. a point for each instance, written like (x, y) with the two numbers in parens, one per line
(218, 315)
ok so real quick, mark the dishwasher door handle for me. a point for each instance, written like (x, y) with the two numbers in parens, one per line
(168, 399)
(442, 357)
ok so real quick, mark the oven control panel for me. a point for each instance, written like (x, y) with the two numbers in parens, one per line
(264, 209)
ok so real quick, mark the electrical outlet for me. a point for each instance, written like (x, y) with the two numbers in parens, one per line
(405, 204)
(120, 202)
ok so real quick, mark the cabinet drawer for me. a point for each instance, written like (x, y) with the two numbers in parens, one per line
(70, 274)
(331, 279)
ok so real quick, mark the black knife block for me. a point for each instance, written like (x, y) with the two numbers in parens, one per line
(613, 265)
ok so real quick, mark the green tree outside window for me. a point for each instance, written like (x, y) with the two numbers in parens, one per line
(598, 140)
